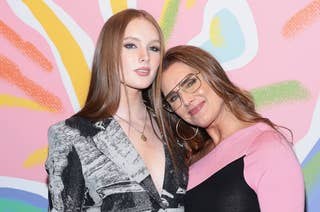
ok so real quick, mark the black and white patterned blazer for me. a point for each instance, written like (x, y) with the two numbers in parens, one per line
(92, 166)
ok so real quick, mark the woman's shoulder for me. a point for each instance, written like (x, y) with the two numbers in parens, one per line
(270, 161)
(269, 145)
(76, 125)
(267, 138)
(61, 135)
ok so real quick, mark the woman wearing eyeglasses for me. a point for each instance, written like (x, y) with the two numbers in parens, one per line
(248, 165)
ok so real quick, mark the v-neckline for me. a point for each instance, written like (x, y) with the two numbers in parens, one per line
(142, 161)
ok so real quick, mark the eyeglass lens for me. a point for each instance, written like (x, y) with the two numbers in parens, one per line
(189, 85)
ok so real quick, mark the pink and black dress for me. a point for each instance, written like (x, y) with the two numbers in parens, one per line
(254, 169)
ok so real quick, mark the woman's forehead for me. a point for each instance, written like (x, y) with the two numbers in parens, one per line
(174, 74)
(141, 28)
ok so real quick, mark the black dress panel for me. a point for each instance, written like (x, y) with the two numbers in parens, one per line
(224, 191)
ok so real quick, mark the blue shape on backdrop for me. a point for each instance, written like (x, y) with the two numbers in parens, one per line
(231, 32)
(25, 197)
(313, 194)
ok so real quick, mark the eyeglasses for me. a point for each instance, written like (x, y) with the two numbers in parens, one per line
(190, 84)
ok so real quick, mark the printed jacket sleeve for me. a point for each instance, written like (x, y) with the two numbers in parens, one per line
(274, 172)
(65, 179)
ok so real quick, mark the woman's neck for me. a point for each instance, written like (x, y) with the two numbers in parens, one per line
(131, 104)
(225, 125)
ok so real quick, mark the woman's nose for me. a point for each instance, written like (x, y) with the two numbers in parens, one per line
(186, 98)
(143, 56)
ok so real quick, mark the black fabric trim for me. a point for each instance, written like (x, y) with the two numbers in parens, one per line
(86, 126)
(74, 190)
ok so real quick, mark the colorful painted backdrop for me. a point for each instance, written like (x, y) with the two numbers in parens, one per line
(268, 47)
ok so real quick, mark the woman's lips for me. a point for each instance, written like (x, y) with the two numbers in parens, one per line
(143, 71)
(196, 109)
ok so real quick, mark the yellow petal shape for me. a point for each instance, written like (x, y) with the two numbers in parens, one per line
(118, 5)
(190, 3)
(38, 157)
(215, 33)
(12, 101)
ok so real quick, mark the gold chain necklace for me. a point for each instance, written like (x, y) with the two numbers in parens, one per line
(143, 137)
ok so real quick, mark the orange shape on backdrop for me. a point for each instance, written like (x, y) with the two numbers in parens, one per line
(25, 47)
(302, 19)
(10, 72)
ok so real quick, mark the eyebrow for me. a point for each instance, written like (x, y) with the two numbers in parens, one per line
(170, 94)
(181, 83)
(185, 80)
(172, 91)
(137, 39)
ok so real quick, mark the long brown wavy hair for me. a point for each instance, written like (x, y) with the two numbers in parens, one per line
(237, 100)
(104, 90)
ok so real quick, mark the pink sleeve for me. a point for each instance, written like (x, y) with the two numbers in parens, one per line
(273, 171)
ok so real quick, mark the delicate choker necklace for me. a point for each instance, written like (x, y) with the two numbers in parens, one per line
(143, 137)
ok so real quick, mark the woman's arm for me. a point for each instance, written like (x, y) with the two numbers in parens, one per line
(273, 171)
(66, 183)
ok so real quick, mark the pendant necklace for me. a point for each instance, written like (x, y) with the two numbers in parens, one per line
(142, 136)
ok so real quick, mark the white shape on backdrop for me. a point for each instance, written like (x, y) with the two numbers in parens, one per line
(24, 185)
(105, 9)
(241, 10)
(303, 147)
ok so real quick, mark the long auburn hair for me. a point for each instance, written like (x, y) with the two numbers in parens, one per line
(104, 91)
(237, 100)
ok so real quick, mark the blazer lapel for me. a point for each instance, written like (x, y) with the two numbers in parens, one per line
(114, 143)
